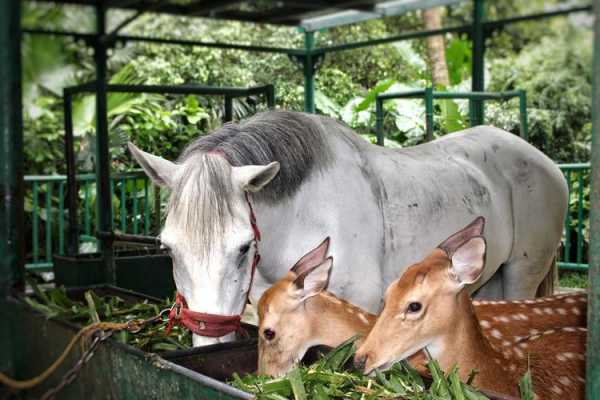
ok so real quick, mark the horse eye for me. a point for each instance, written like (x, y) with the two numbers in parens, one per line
(414, 307)
(244, 249)
(269, 334)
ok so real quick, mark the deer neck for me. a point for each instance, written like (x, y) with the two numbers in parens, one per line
(464, 345)
(334, 320)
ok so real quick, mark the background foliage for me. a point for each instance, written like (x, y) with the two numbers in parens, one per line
(538, 57)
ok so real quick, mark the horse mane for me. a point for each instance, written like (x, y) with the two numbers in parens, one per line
(296, 140)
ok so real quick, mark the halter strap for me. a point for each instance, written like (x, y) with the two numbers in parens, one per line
(214, 325)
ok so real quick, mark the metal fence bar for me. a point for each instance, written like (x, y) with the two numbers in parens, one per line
(35, 222)
(146, 209)
(135, 208)
(567, 246)
(61, 218)
(122, 214)
(49, 222)
(579, 217)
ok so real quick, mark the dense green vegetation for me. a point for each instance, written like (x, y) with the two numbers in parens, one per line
(536, 56)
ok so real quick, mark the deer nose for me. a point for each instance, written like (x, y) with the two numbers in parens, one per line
(360, 360)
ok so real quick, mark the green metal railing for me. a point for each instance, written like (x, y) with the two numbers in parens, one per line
(136, 210)
(573, 255)
(135, 204)
(429, 95)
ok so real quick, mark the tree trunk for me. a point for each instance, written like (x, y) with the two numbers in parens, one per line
(436, 49)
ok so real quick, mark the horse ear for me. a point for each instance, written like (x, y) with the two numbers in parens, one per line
(313, 258)
(313, 281)
(451, 244)
(254, 177)
(468, 261)
(158, 169)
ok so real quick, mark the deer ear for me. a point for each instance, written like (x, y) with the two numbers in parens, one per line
(451, 244)
(313, 258)
(468, 261)
(254, 177)
(161, 171)
(314, 281)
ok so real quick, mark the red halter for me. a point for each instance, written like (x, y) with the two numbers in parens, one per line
(213, 325)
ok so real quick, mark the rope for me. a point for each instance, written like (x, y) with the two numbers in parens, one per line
(84, 333)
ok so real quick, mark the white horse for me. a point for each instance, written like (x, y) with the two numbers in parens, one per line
(310, 177)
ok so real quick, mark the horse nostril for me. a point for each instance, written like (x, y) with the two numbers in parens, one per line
(359, 362)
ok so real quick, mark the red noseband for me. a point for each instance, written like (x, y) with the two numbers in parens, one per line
(213, 325)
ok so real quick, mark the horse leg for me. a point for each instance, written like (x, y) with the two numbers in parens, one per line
(493, 289)
(522, 276)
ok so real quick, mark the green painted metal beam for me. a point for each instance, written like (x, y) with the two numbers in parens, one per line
(103, 194)
(477, 73)
(309, 73)
(12, 245)
(593, 339)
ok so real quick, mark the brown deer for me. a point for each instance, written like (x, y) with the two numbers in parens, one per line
(292, 318)
(430, 308)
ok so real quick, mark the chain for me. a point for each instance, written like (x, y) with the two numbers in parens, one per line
(74, 372)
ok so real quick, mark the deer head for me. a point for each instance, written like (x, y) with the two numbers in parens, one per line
(284, 333)
(419, 307)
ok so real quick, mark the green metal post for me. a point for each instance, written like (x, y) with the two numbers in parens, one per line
(12, 245)
(524, 131)
(478, 38)
(309, 73)
(228, 114)
(379, 121)
(103, 199)
(429, 114)
(593, 338)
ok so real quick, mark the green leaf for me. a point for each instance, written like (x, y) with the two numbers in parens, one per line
(337, 357)
(526, 386)
(372, 95)
(295, 378)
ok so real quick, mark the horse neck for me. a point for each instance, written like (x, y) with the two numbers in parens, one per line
(334, 320)
(466, 346)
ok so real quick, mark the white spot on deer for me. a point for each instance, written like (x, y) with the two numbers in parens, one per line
(548, 310)
(529, 302)
(569, 329)
(576, 311)
(548, 332)
(363, 319)
(580, 329)
(334, 299)
(519, 352)
(564, 380)
(534, 337)
(533, 331)
(350, 310)
(517, 338)
(561, 357)
(580, 379)
(523, 345)
(506, 343)
(513, 367)
(502, 302)
(583, 299)
(476, 303)
(496, 333)
(497, 360)
(485, 324)
(501, 318)
(556, 389)
(561, 311)
(570, 300)
(537, 311)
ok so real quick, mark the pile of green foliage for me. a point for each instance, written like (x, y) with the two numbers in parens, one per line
(55, 303)
(328, 379)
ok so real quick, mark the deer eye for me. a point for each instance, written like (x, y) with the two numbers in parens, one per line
(414, 307)
(269, 334)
